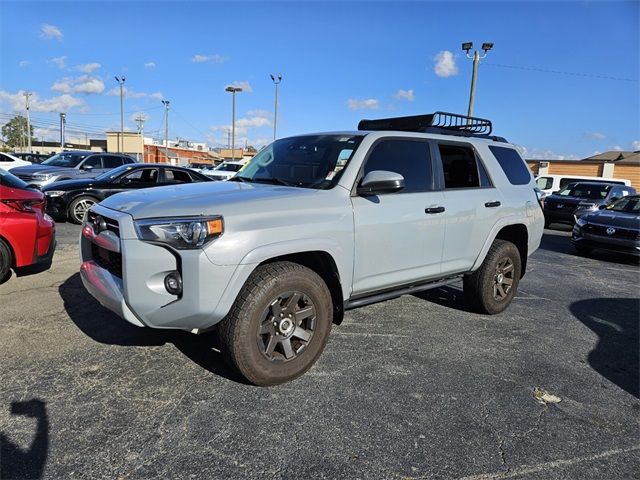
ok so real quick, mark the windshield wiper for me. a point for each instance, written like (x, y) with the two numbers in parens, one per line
(238, 178)
(272, 180)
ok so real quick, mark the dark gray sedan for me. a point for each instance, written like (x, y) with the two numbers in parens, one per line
(616, 227)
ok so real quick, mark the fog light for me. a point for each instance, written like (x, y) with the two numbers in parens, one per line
(173, 283)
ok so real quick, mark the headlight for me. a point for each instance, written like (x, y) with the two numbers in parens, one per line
(43, 176)
(180, 233)
(581, 222)
(55, 193)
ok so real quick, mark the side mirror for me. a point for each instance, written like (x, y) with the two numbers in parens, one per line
(87, 167)
(602, 207)
(613, 199)
(380, 181)
(126, 181)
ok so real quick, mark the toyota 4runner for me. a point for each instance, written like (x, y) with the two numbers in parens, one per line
(315, 225)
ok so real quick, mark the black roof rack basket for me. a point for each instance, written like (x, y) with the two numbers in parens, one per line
(437, 122)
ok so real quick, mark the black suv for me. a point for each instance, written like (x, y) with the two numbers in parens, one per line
(70, 165)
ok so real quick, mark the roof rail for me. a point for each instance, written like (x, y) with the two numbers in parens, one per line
(443, 123)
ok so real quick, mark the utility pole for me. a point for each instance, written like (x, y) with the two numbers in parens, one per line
(140, 122)
(121, 136)
(228, 138)
(276, 81)
(63, 117)
(467, 46)
(26, 99)
(233, 91)
(166, 128)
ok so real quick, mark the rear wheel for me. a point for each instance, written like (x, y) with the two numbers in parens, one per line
(79, 206)
(491, 288)
(278, 325)
(6, 259)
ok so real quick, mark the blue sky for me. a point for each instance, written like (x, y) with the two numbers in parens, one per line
(340, 62)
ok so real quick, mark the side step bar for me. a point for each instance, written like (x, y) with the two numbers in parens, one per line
(397, 292)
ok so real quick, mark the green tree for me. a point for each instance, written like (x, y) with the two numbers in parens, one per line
(14, 132)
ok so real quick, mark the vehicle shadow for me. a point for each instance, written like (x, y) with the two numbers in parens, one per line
(16, 462)
(555, 242)
(615, 321)
(103, 326)
(448, 296)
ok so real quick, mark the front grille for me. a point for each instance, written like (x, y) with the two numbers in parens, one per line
(622, 233)
(112, 225)
(110, 261)
(26, 178)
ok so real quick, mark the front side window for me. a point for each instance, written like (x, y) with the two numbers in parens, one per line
(229, 167)
(93, 162)
(143, 176)
(512, 165)
(65, 159)
(409, 158)
(312, 161)
(461, 167)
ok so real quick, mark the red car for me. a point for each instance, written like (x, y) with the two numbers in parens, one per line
(27, 234)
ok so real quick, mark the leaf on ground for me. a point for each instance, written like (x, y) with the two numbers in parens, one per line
(544, 397)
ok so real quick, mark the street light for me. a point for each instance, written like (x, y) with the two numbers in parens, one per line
(121, 83)
(27, 95)
(276, 81)
(467, 46)
(233, 91)
(166, 129)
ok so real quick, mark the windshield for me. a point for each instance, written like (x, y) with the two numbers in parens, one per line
(65, 159)
(9, 180)
(115, 172)
(314, 161)
(229, 167)
(627, 204)
(585, 190)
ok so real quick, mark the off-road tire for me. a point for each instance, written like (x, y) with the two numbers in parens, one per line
(480, 286)
(6, 260)
(238, 332)
(72, 214)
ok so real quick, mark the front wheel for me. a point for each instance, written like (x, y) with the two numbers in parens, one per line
(491, 288)
(5, 261)
(278, 325)
(79, 206)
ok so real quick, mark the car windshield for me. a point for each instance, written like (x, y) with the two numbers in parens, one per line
(229, 167)
(65, 159)
(585, 190)
(313, 161)
(627, 204)
(115, 172)
(9, 180)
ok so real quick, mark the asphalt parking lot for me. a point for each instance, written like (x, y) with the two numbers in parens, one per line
(416, 387)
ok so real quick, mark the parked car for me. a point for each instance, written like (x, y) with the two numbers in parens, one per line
(70, 165)
(615, 227)
(70, 199)
(32, 157)
(552, 183)
(27, 233)
(580, 198)
(224, 171)
(9, 162)
(312, 226)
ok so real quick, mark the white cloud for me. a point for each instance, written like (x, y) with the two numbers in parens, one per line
(370, 104)
(50, 32)
(254, 119)
(445, 64)
(198, 58)
(59, 62)
(259, 113)
(616, 148)
(595, 135)
(62, 103)
(245, 86)
(23, 63)
(635, 145)
(82, 84)
(88, 67)
(128, 93)
(150, 65)
(404, 95)
(542, 154)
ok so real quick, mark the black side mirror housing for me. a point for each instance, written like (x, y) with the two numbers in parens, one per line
(379, 182)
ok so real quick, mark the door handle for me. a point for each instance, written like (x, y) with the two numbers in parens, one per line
(492, 204)
(434, 210)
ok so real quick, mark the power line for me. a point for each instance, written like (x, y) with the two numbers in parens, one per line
(559, 72)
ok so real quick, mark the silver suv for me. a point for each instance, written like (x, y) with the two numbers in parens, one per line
(315, 225)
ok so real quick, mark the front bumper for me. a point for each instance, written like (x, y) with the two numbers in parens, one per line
(620, 245)
(127, 276)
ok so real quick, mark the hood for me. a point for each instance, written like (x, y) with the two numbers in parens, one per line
(614, 219)
(67, 185)
(206, 198)
(33, 169)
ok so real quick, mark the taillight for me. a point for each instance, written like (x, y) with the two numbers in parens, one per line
(24, 205)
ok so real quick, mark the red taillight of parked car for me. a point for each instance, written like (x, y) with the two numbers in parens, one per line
(28, 206)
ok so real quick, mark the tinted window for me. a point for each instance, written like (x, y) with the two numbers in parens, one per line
(176, 176)
(93, 161)
(409, 158)
(461, 168)
(4, 158)
(9, 180)
(65, 159)
(627, 204)
(544, 183)
(512, 164)
(145, 176)
(585, 190)
(111, 161)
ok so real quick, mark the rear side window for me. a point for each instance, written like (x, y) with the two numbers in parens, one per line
(111, 161)
(176, 176)
(461, 167)
(409, 158)
(512, 165)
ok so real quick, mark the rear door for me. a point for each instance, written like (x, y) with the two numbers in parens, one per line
(398, 236)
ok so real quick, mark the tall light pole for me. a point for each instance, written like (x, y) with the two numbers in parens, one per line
(467, 46)
(166, 128)
(121, 83)
(63, 117)
(26, 100)
(276, 81)
(233, 91)
(140, 122)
